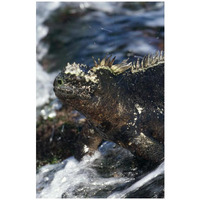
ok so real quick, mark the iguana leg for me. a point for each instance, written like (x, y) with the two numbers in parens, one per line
(145, 139)
(146, 147)
(87, 142)
(148, 137)
(152, 125)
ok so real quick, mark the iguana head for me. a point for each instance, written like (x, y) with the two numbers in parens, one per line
(75, 82)
(78, 82)
(84, 88)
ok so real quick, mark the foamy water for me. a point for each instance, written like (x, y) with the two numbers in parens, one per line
(73, 179)
(77, 177)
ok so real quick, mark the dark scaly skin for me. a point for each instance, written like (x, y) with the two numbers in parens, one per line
(125, 107)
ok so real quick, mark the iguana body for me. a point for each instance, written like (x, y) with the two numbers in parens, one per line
(123, 103)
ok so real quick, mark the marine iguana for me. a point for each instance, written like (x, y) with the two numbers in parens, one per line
(123, 103)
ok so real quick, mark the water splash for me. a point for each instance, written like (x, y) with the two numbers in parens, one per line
(74, 180)
(98, 176)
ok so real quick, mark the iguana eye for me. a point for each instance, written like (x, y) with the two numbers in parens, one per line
(60, 82)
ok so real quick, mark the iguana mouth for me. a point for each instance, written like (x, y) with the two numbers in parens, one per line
(64, 88)
(66, 92)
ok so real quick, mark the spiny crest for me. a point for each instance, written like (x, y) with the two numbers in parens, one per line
(139, 65)
(148, 61)
(105, 62)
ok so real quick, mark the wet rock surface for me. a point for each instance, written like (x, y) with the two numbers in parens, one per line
(109, 171)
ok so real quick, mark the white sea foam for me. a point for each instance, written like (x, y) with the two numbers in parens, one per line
(73, 176)
(75, 179)
(44, 84)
